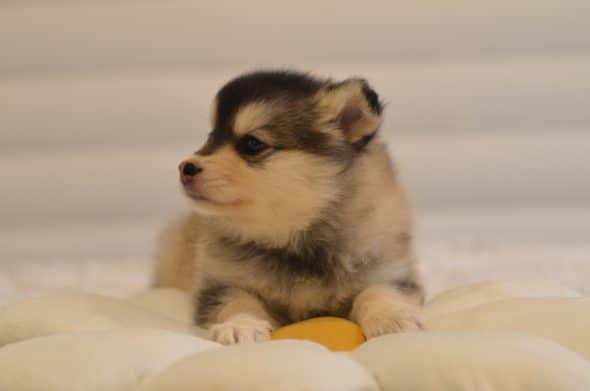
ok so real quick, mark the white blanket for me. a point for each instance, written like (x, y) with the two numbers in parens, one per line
(488, 336)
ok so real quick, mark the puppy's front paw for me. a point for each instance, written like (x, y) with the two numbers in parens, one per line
(240, 329)
(379, 323)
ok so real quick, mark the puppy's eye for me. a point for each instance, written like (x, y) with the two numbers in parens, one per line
(249, 145)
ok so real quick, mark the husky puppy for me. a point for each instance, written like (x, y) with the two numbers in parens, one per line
(296, 213)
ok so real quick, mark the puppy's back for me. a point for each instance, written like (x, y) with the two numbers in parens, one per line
(176, 262)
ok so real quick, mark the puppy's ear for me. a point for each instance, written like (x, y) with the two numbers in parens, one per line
(353, 106)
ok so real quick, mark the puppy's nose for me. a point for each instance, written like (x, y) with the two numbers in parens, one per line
(188, 171)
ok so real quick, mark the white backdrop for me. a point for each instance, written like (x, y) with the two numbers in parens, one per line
(488, 109)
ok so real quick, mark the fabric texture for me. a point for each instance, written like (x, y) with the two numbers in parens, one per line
(487, 336)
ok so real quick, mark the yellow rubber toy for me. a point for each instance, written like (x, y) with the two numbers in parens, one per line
(336, 334)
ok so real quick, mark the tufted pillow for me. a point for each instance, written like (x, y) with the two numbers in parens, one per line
(276, 365)
(116, 360)
(473, 361)
(482, 337)
(79, 312)
(563, 320)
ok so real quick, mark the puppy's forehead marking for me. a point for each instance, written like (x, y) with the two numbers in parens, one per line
(252, 116)
(296, 108)
(257, 87)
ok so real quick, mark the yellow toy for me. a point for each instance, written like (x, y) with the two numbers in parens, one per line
(336, 334)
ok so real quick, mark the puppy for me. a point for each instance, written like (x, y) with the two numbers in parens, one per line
(297, 213)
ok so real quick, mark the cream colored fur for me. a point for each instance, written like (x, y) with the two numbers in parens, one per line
(271, 205)
(378, 309)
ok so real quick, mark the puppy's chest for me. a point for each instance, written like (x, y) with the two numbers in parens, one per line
(294, 285)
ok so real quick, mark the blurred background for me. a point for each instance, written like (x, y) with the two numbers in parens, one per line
(488, 118)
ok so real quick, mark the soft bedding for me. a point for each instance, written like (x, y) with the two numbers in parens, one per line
(487, 336)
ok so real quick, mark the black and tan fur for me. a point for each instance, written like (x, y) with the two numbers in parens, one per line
(315, 223)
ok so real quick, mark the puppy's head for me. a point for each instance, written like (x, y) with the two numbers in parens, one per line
(280, 145)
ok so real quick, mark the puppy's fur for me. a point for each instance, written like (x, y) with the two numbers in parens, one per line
(306, 220)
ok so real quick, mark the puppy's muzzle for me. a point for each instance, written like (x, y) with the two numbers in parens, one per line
(188, 172)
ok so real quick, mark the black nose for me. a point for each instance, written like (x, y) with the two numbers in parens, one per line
(188, 170)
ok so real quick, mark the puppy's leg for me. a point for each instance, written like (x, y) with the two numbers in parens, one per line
(384, 309)
(234, 315)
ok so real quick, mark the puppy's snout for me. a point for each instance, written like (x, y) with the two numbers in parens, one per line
(188, 171)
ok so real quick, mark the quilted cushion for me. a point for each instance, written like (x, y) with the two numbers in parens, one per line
(473, 295)
(116, 360)
(79, 312)
(563, 320)
(439, 361)
(485, 337)
(276, 365)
